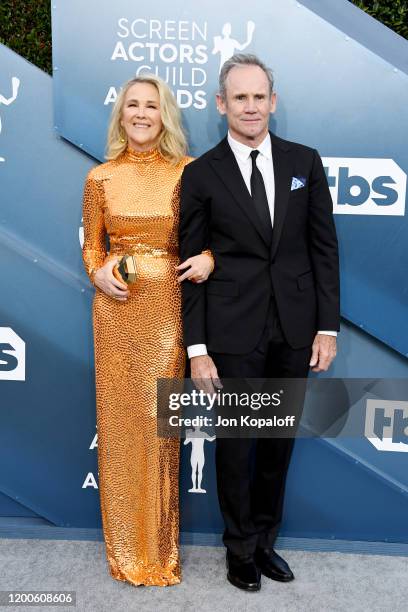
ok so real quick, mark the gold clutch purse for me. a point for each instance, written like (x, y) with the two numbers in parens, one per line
(127, 269)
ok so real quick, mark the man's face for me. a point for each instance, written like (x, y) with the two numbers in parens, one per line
(247, 104)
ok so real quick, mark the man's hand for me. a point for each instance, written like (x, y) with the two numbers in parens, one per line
(198, 268)
(323, 352)
(204, 374)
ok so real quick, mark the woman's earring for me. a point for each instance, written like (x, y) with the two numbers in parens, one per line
(122, 138)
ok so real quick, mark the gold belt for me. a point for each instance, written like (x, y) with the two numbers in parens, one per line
(121, 248)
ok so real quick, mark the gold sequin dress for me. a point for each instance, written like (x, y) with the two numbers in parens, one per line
(135, 200)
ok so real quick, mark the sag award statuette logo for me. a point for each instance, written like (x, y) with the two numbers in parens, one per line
(227, 46)
(196, 437)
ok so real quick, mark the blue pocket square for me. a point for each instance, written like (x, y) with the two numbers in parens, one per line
(297, 182)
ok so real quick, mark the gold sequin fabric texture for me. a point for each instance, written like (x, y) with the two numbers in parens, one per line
(135, 200)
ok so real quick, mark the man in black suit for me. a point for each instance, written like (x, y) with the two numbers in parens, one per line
(271, 307)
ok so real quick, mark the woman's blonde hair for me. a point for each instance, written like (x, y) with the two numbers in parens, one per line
(172, 142)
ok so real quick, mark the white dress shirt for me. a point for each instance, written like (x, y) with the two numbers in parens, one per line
(264, 162)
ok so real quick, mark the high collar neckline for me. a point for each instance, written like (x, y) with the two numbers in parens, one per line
(142, 156)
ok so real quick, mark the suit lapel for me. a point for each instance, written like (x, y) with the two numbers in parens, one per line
(226, 167)
(282, 169)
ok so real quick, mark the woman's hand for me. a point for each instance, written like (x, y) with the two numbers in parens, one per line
(198, 269)
(106, 281)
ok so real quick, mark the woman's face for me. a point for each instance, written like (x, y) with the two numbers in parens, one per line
(141, 116)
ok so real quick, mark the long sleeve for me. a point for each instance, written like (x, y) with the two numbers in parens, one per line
(324, 249)
(94, 249)
(193, 239)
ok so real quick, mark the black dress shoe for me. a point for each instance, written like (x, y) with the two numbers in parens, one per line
(243, 573)
(272, 565)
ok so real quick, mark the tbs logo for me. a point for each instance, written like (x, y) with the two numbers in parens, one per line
(12, 355)
(363, 186)
(386, 425)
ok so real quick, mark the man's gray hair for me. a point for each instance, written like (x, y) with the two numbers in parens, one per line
(243, 59)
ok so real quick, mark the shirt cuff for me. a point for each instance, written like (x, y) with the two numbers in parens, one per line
(196, 350)
(328, 333)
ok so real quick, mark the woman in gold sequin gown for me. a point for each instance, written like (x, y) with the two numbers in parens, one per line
(134, 199)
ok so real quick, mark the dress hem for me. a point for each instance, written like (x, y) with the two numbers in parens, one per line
(150, 580)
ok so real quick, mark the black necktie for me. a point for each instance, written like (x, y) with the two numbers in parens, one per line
(259, 198)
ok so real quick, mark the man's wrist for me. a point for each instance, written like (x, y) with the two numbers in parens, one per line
(196, 350)
(328, 333)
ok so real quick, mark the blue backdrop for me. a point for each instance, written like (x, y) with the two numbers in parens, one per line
(334, 93)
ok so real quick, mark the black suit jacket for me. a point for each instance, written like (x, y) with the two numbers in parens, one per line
(300, 267)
